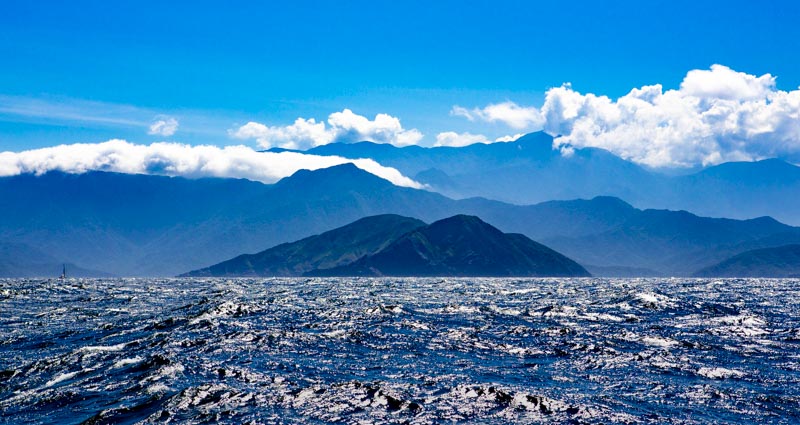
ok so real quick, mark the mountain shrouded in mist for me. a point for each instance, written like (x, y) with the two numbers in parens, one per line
(140, 225)
(529, 170)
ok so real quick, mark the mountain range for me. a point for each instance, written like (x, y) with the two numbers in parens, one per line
(393, 245)
(330, 249)
(528, 170)
(143, 225)
(20, 260)
(776, 262)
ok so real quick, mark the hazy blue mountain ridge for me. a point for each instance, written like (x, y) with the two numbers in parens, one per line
(525, 171)
(671, 242)
(140, 225)
(20, 260)
(528, 171)
(776, 262)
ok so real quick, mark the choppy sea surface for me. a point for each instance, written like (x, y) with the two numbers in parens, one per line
(400, 351)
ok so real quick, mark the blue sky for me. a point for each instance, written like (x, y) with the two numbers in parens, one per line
(88, 71)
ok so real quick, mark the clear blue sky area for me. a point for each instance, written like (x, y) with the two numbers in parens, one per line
(220, 64)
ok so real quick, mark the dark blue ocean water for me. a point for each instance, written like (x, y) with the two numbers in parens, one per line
(400, 350)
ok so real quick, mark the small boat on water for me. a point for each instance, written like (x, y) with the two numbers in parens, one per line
(63, 272)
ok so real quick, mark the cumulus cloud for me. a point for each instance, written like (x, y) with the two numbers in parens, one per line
(453, 139)
(716, 115)
(509, 113)
(345, 126)
(163, 126)
(303, 134)
(174, 159)
(721, 82)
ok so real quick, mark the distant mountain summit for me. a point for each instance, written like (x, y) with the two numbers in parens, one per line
(332, 180)
(327, 250)
(782, 261)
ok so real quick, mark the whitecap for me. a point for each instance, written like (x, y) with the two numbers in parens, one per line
(337, 333)
(126, 362)
(158, 389)
(659, 341)
(719, 373)
(60, 378)
(103, 348)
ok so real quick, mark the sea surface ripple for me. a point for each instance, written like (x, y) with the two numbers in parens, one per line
(400, 351)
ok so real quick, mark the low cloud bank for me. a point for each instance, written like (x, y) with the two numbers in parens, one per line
(175, 159)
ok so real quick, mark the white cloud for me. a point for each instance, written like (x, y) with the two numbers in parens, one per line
(509, 113)
(721, 82)
(509, 138)
(174, 159)
(453, 139)
(163, 126)
(345, 126)
(350, 127)
(716, 115)
(303, 134)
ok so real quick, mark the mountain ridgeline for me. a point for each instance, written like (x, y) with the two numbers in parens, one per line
(143, 225)
(529, 170)
(391, 245)
(777, 262)
(20, 260)
(334, 248)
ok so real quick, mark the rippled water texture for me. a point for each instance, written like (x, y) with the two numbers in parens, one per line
(400, 350)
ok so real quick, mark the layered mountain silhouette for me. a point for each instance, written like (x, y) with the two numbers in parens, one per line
(779, 262)
(461, 245)
(529, 171)
(525, 171)
(20, 260)
(331, 249)
(673, 242)
(392, 245)
(127, 225)
(141, 225)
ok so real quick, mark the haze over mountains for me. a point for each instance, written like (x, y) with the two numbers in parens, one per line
(20, 260)
(776, 262)
(529, 171)
(140, 225)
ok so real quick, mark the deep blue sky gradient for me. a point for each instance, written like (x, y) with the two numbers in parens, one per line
(215, 64)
